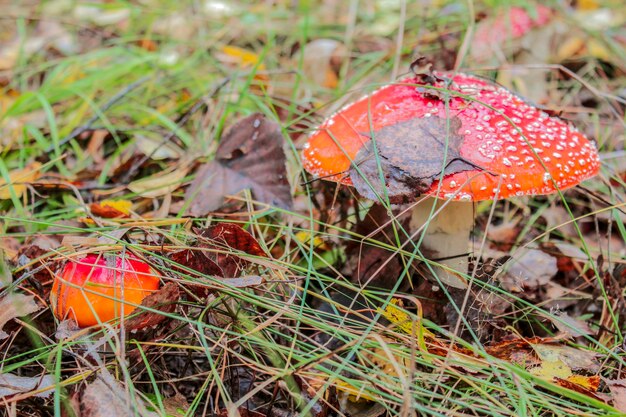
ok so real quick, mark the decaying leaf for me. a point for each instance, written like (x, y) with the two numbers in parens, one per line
(164, 300)
(109, 399)
(224, 240)
(618, 389)
(111, 209)
(12, 384)
(250, 156)
(218, 255)
(581, 383)
(568, 326)
(528, 269)
(574, 359)
(18, 178)
(410, 155)
(15, 305)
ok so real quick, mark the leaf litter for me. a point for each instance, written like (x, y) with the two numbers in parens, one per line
(553, 309)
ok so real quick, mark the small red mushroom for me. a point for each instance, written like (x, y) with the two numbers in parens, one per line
(489, 144)
(512, 23)
(99, 288)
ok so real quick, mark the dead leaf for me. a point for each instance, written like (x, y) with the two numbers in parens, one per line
(618, 390)
(161, 183)
(219, 251)
(18, 178)
(517, 351)
(568, 326)
(15, 305)
(111, 209)
(222, 239)
(591, 383)
(250, 156)
(411, 155)
(164, 300)
(574, 359)
(12, 384)
(197, 261)
(109, 399)
(528, 269)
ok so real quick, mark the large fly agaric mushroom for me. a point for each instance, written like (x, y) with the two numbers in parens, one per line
(457, 138)
(99, 288)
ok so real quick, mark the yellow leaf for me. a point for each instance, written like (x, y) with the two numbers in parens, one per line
(570, 48)
(112, 208)
(18, 178)
(304, 237)
(241, 57)
(588, 382)
(548, 370)
(394, 313)
(598, 50)
(159, 184)
(587, 4)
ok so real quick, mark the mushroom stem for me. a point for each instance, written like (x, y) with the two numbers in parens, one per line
(446, 232)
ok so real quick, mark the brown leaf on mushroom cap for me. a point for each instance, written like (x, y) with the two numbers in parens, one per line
(411, 155)
(250, 156)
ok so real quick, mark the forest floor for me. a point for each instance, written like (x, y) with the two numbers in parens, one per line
(170, 133)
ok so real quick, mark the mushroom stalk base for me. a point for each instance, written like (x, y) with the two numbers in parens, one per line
(446, 234)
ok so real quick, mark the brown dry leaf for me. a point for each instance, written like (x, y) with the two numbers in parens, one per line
(528, 269)
(517, 351)
(15, 305)
(111, 209)
(572, 358)
(225, 240)
(12, 384)
(250, 156)
(618, 390)
(195, 260)
(176, 406)
(18, 178)
(504, 235)
(164, 300)
(110, 399)
(161, 183)
(410, 155)
(568, 326)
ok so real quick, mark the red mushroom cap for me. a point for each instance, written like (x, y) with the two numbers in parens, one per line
(98, 288)
(516, 148)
